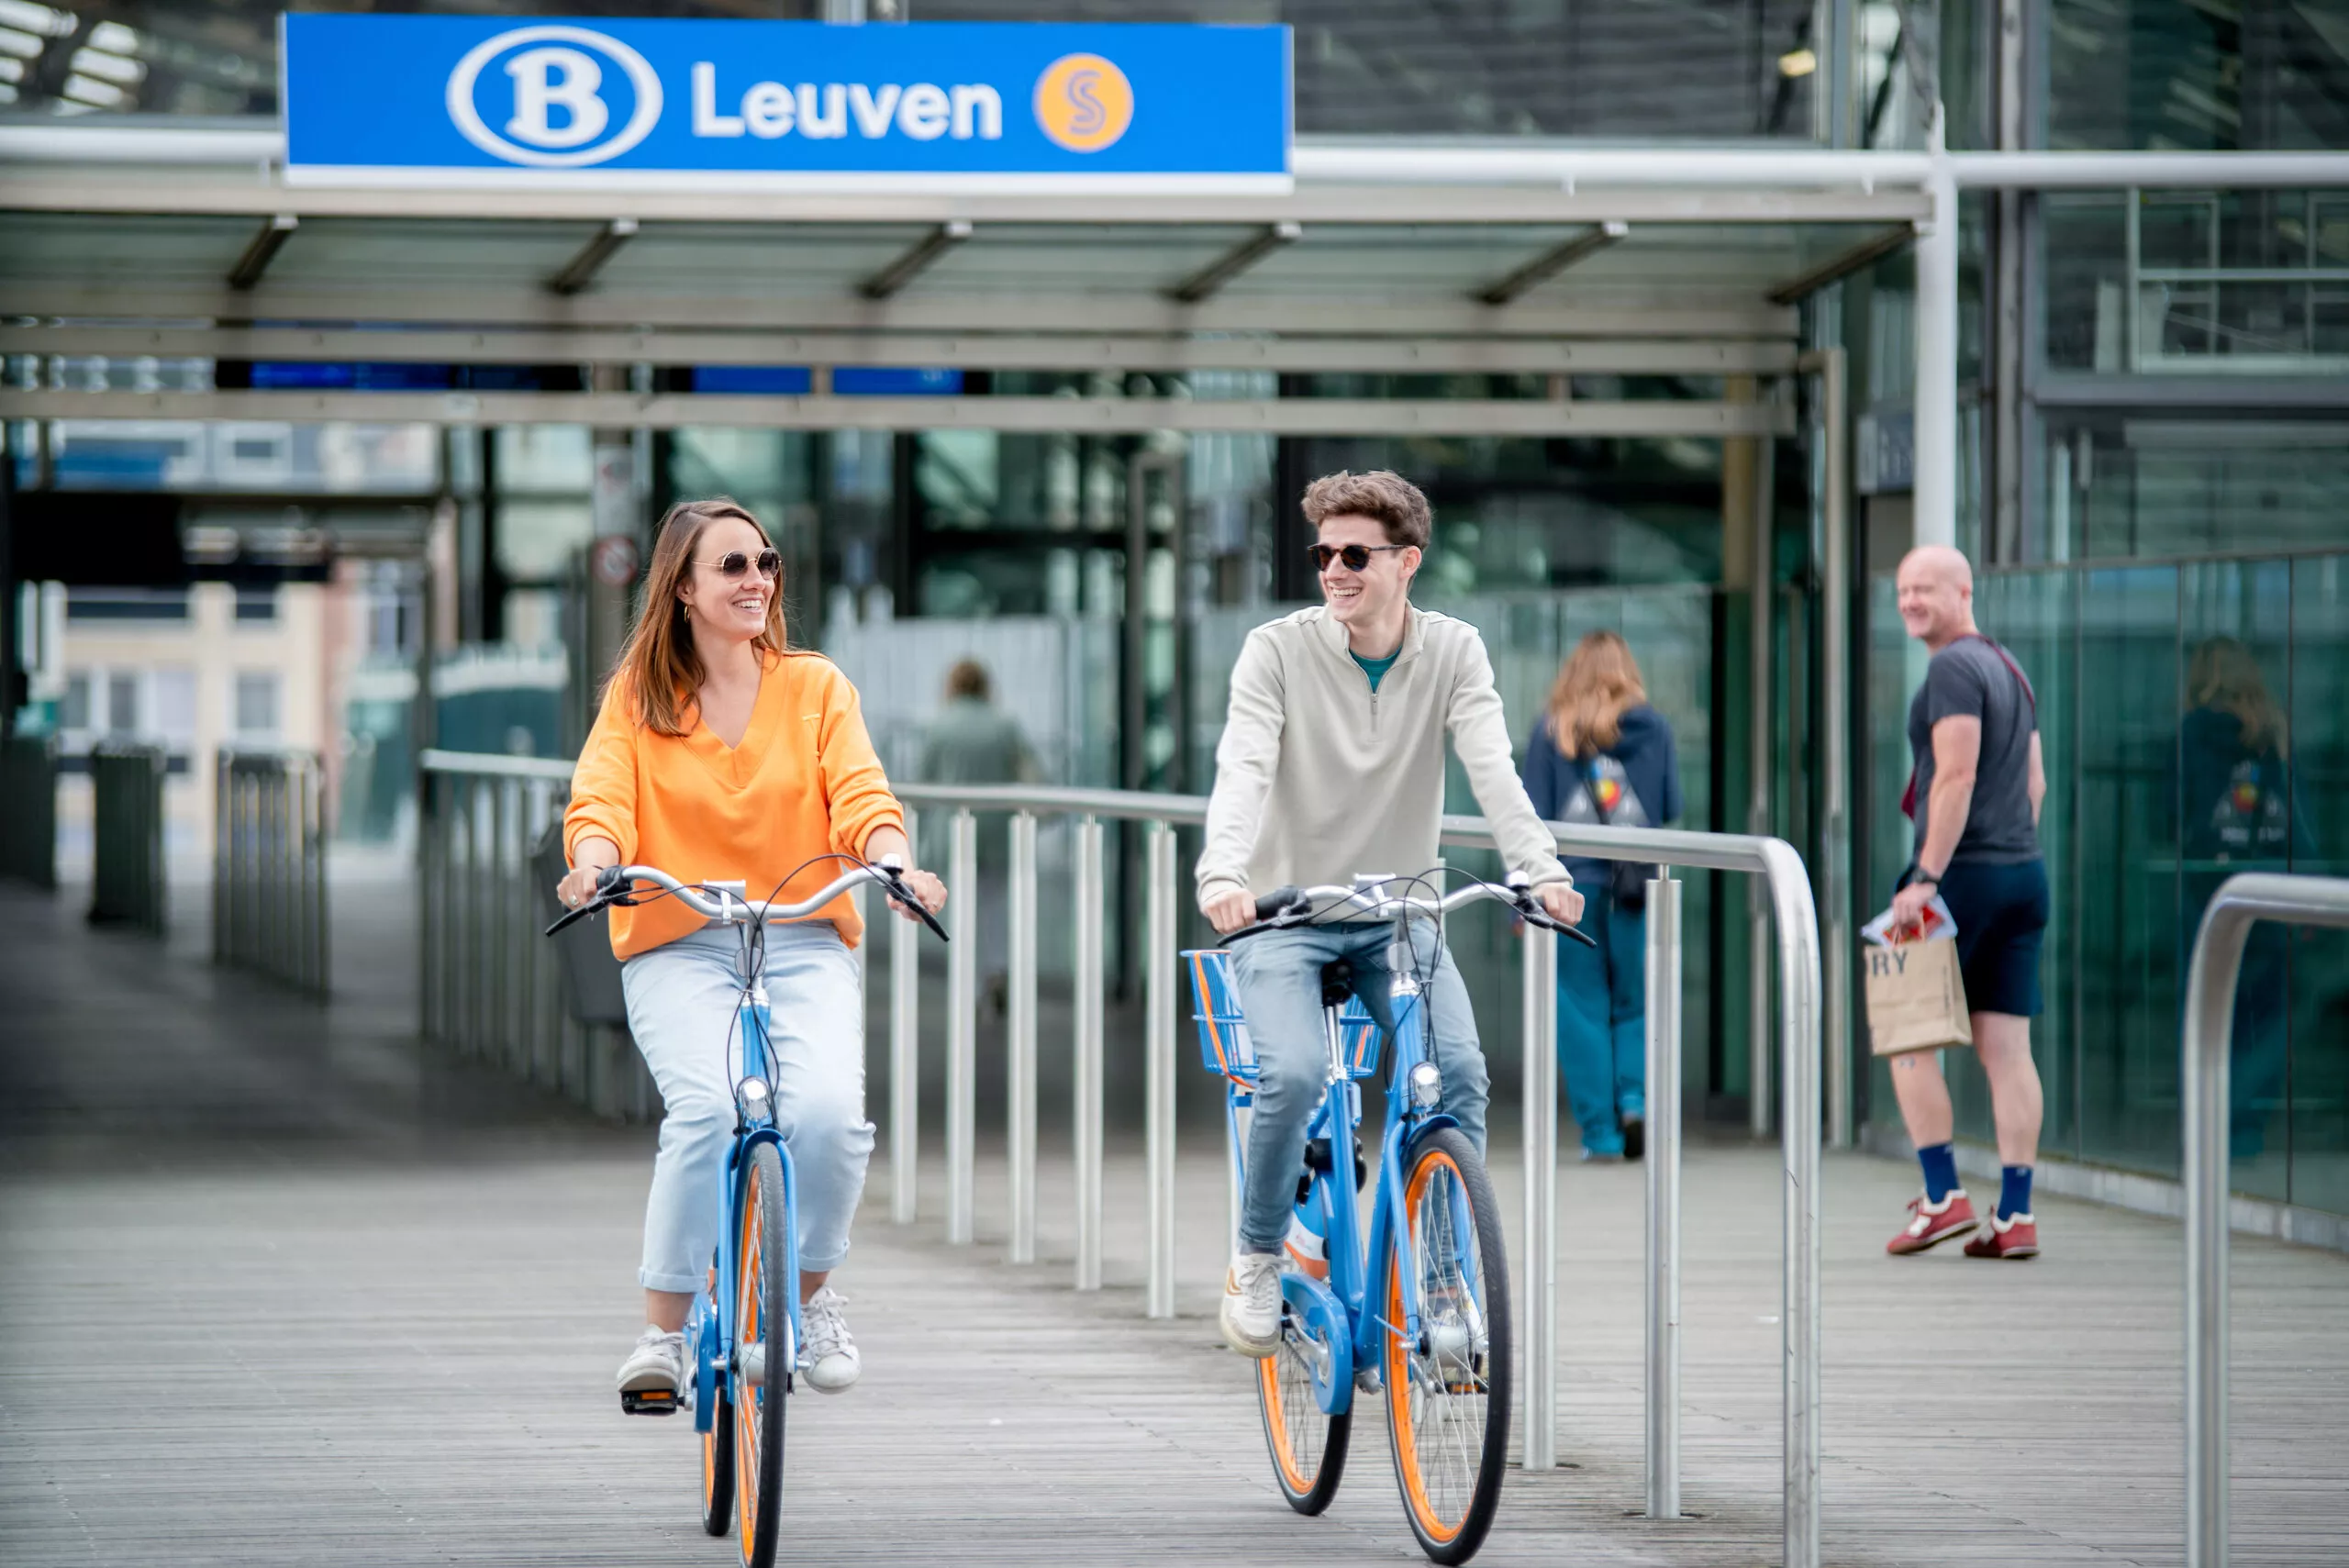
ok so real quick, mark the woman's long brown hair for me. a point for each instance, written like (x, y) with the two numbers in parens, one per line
(658, 668)
(2225, 676)
(1598, 681)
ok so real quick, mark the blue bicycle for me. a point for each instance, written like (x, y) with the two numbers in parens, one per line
(1418, 1306)
(743, 1334)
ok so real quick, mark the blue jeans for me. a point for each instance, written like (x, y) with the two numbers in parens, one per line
(682, 998)
(1602, 1021)
(1278, 977)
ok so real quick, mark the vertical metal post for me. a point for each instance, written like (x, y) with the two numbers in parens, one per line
(961, 1030)
(1540, 1250)
(1085, 1073)
(1935, 433)
(1797, 922)
(1019, 1055)
(905, 1057)
(1664, 1198)
(1760, 761)
(2209, 1049)
(1158, 1002)
(1835, 733)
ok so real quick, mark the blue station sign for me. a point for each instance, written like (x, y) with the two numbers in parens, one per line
(715, 103)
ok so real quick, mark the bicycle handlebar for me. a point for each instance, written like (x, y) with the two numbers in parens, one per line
(616, 885)
(1285, 908)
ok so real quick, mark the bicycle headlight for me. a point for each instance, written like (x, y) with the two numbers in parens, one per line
(753, 1094)
(1426, 1085)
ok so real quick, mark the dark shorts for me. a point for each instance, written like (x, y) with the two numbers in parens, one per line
(2001, 912)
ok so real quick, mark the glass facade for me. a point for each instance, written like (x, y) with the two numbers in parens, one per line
(1696, 69)
(2189, 74)
(2195, 717)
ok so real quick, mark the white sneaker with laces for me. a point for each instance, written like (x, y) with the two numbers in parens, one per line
(829, 1355)
(657, 1364)
(1251, 1304)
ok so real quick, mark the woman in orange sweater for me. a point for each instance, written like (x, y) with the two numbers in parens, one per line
(722, 754)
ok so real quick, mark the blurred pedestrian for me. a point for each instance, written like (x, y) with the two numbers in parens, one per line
(1975, 795)
(2234, 799)
(972, 741)
(1601, 755)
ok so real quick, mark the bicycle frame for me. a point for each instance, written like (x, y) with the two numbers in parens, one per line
(1352, 1295)
(710, 1325)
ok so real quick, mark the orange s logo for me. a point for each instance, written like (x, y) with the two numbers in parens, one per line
(1083, 103)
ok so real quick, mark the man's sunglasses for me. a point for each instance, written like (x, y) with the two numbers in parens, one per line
(1355, 556)
(734, 563)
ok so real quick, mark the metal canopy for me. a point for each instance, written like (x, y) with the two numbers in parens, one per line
(126, 242)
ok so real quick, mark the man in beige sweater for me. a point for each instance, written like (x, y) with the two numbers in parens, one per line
(1331, 766)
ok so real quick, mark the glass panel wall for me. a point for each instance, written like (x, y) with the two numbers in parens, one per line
(2186, 73)
(2191, 719)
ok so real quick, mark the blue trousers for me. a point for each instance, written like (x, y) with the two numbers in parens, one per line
(1602, 1019)
(1278, 976)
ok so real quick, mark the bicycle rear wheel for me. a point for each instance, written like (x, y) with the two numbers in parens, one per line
(760, 1379)
(1309, 1445)
(1448, 1393)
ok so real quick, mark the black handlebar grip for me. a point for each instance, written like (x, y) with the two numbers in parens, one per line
(1279, 901)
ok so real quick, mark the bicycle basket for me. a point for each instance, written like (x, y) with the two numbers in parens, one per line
(1225, 1047)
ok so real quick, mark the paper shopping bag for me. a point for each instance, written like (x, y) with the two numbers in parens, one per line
(1916, 998)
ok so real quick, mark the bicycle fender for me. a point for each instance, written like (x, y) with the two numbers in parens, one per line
(1315, 1305)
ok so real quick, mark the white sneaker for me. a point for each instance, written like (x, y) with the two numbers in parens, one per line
(656, 1365)
(829, 1355)
(1251, 1304)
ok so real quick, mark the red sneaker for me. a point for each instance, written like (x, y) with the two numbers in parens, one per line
(2017, 1237)
(1934, 1222)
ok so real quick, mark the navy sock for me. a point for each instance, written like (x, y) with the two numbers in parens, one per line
(2014, 1191)
(1940, 1161)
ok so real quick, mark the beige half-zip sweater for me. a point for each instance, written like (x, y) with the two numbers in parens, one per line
(1318, 778)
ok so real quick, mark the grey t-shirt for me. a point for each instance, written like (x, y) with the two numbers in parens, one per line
(1970, 677)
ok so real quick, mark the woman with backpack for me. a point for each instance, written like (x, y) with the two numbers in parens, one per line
(1601, 755)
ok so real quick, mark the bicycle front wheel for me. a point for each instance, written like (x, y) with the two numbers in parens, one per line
(1447, 1391)
(763, 1352)
(1307, 1445)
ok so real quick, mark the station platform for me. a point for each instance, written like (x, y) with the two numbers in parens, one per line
(286, 1285)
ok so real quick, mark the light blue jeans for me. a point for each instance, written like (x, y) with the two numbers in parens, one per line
(682, 1003)
(1278, 976)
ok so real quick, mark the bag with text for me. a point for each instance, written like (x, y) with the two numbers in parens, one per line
(1915, 996)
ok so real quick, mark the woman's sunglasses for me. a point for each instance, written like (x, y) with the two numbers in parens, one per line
(1355, 556)
(734, 563)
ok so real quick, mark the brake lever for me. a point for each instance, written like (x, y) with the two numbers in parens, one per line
(590, 907)
(1532, 914)
(903, 896)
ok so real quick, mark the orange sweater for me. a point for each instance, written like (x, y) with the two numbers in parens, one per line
(804, 782)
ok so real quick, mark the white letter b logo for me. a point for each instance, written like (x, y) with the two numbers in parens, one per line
(556, 78)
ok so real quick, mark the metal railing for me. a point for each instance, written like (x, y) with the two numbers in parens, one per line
(484, 984)
(2209, 1044)
(127, 835)
(28, 809)
(1788, 895)
(488, 983)
(269, 870)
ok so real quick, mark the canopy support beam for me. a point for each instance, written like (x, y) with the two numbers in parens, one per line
(1835, 269)
(1234, 262)
(917, 261)
(1553, 262)
(581, 269)
(262, 251)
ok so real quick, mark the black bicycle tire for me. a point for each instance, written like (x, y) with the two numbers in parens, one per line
(1500, 1355)
(717, 1455)
(1336, 1441)
(763, 1517)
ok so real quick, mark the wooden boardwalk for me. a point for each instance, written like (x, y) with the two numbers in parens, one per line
(393, 1345)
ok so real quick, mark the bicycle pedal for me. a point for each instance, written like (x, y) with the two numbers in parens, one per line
(648, 1402)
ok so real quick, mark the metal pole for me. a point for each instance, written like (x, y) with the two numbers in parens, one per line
(961, 1030)
(2211, 1021)
(905, 1061)
(1085, 1074)
(1762, 685)
(1158, 1000)
(1540, 1250)
(1664, 1198)
(1836, 726)
(1934, 436)
(1797, 921)
(1020, 1056)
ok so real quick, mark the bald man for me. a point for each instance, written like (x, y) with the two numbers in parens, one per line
(1975, 796)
